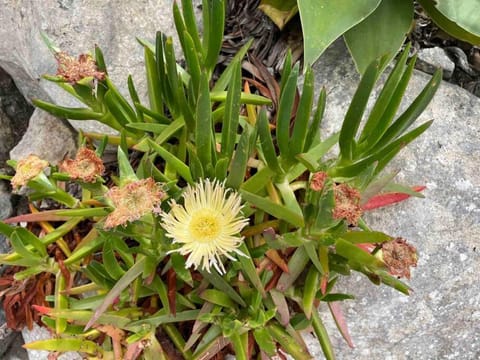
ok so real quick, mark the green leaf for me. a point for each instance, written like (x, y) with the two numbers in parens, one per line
(362, 237)
(154, 86)
(322, 336)
(266, 142)
(21, 249)
(249, 269)
(458, 20)
(356, 109)
(296, 265)
(66, 112)
(314, 129)
(356, 255)
(284, 113)
(265, 341)
(232, 113)
(300, 129)
(121, 285)
(310, 290)
(218, 298)
(219, 282)
(203, 129)
(224, 79)
(126, 172)
(324, 21)
(110, 261)
(28, 238)
(214, 23)
(382, 32)
(239, 162)
(389, 100)
(64, 345)
(171, 159)
(277, 210)
(407, 118)
(221, 96)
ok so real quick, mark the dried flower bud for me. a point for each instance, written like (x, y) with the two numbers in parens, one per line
(86, 167)
(318, 181)
(399, 256)
(347, 201)
(133, 201)
(73, 70)
(27, 169)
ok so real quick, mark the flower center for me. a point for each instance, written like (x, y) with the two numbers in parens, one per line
(204, 226)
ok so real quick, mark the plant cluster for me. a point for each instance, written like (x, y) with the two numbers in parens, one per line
(371, 28)
(224, 227)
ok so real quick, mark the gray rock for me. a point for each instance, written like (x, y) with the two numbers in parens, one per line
(14, 349)
(432, 58)
(441, 318)
(14, 115)
(47, 137)
(75, 27)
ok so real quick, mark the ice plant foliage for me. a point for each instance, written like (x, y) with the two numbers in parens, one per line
(222, 223)
(27, 169)
(132, 201)
(86, 166)
(207, 225)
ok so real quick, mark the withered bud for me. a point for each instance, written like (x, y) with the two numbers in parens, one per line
(86, 167)
(73, 70)
(347, 200)
(399, 256)
(318, 181)
(27, 169)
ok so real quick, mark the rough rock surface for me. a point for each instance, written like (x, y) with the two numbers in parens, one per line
(441, 318)
(46, 137)
(75, 27)
(431, 58)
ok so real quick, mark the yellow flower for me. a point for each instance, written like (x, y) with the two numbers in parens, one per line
(133, 201)
(86, 167)
(27, 169)
(208, 224)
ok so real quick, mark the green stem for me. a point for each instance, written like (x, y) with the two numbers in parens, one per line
(322, 336)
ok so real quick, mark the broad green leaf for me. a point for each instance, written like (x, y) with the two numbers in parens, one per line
(126, 172)
(314, 129)
(382, 32)
(279, 11)
(310, 289)
(162, 318)
(66, 112)
(203, 128)
(153, 81)
(459, 19)
(323, 21)
(249, 269)
(296, 265)
(213, 25)
(221, 96)
(239, 162)
(288, 343)
(224, 79)
(265, 341)
(171, 159)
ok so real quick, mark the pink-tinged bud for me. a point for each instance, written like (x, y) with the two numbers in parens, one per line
(132, 201)
(27, 169)
(399, 256)
(347, 204)
(73, 70)
(318, 181)
(86, 167)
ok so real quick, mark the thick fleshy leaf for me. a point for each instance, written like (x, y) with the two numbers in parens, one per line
(63, 345)
(382, 32)
(458, 19)
(386, 199)
(323, 21)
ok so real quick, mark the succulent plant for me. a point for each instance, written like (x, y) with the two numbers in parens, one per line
(224, 228)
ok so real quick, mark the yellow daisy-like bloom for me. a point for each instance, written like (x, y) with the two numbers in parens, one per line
(208, 224)
(27, 169)
(133, 201)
